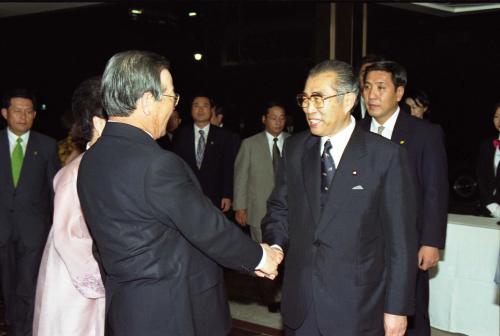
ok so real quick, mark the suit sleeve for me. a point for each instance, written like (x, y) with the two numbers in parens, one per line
(176, 199)
(435, 190)
(398, 213)
(274, 225)
(228, 166)
(241, 171)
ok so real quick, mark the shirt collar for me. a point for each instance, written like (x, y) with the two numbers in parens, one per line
(390, 123)
(271, 137)
(344, 134)
(13, 137)
(205, 129)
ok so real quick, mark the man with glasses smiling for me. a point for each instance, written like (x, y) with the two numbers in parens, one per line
(343, 211)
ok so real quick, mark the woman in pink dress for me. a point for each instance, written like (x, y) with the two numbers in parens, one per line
(70, 294)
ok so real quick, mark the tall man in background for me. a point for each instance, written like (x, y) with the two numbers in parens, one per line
(343, 210)
(28, 163)
(209, 151)
(157, 237)
(254, 170)
(384, 85)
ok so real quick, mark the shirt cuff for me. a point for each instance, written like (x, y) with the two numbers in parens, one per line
(262, 260)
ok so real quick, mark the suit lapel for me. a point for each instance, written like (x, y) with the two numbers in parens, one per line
(401, 131)
(342, 181)
(211, 140)
(6, 169)
(311, 171)
(29, 158)
(264, 148)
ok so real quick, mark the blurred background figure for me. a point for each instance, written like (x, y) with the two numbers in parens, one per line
(173, 123)
(487, 170)
(70, 294)
(67, 148)
(419, 104)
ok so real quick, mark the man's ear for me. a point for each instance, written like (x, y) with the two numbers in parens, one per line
(400, 91)
(349, 101)
(146, 102)
(4, 113)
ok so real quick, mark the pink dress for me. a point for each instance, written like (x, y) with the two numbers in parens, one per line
(69, 294)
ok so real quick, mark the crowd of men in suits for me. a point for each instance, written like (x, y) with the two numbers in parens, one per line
(357, 204)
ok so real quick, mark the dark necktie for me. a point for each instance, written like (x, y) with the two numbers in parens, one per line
(200, 149)
(327, 171)
(276, 155)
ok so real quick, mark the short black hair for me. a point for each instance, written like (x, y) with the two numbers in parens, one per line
(497, 106)
(398, 73)
(272, 103)
(369, 58)
(206, 95)
(18, 93)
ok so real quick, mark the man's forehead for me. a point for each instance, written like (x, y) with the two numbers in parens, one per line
(321, 82)
(379, 76)
(21, 102)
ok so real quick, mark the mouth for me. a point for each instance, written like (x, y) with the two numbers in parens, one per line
(314, 122)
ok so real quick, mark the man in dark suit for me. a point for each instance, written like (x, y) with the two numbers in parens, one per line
(209, 151)
(28, 163)
(383, 89)
(157, 237)
(487, 174)
(343, 210)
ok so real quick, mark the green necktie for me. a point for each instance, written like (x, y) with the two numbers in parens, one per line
(17, 161)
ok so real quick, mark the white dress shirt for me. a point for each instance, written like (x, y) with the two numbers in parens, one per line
(388, 125)
(205, 129)
(13, 140)
(339, 142)
(279, 143)
(494, 207)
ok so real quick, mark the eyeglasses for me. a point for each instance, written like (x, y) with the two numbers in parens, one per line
(176, 97)
(317, 100)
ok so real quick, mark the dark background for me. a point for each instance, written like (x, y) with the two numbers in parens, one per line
(255, 51)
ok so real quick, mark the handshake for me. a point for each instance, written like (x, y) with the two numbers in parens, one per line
(274, 257)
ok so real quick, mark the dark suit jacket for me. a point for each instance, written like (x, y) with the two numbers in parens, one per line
(424, 143)
(487, 180)
(165, 142)
(158, 238)
(216, 173)
(356, 259)
(26, 211)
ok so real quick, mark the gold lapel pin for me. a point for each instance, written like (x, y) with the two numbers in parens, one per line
(35, 153)
(401, 142)
(354, 172)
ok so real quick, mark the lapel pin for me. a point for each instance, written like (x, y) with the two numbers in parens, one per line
(401, 142)
(35, 153)
(354, 172)
(211, 142)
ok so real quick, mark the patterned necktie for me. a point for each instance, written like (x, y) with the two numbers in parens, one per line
(17, 161)
(200, 149)
(276, 155)
(380, 130)
(327, 171)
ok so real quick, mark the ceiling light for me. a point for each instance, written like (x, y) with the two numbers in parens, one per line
(192, 13)
(198, 56)
(136, 11)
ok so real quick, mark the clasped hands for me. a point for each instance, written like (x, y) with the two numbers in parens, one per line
(274, 257)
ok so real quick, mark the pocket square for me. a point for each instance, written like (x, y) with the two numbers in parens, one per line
(358, 187)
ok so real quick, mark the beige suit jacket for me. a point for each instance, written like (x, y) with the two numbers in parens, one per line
(253, 177)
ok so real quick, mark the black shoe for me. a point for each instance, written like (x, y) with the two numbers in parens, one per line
(274, 307)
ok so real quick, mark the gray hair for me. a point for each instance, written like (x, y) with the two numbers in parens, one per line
(346, 82)
(128, 75)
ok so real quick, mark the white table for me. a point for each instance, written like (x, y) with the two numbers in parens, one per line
(463, 296)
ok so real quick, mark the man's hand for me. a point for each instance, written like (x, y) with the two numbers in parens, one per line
(225, 204)
(428, 256)
(394, 325)
(241, 217)
(273, 258)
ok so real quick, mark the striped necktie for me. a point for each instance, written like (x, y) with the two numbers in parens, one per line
(200, 149)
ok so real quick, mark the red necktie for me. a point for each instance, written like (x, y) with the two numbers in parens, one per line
(496, 143)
